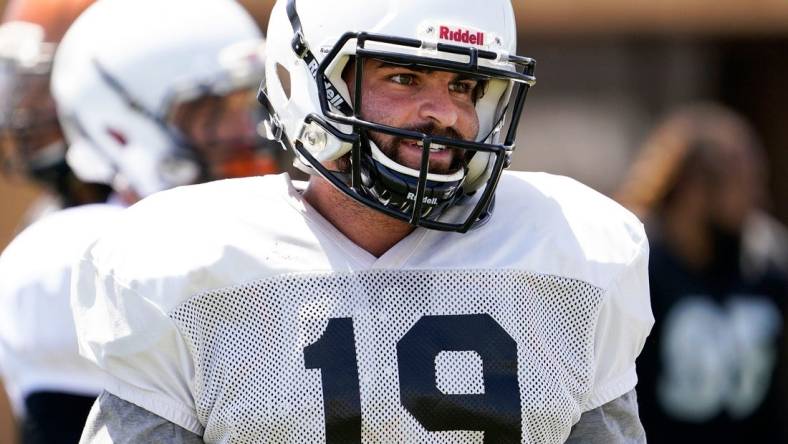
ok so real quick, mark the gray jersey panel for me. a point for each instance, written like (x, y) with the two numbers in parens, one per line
(616, 422)
(114, 420)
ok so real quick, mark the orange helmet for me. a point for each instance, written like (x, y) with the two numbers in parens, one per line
(54, 16)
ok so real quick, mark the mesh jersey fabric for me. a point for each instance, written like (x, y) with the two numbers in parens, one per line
(38, 344)
(236, 311)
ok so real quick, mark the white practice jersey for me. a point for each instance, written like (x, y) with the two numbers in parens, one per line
(236, 311)
(38, 344)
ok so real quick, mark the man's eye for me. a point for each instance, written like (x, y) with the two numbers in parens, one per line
(464, 87)
(402, 79)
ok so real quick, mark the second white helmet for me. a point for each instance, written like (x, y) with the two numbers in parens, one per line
(125, 65)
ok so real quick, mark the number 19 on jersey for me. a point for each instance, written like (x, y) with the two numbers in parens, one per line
(496, 412)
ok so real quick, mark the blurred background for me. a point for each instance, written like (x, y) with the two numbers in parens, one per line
(609, 72)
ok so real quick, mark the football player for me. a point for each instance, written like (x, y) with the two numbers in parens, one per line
(411, 291)
(141, 117)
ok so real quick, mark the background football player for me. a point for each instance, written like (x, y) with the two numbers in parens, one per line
(140, 117)
(31, 141)
(410, 292)
(714, 367)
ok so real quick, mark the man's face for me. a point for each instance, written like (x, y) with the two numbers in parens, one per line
(437, 103)
(223, 129)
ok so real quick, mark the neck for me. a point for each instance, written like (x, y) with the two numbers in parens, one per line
(371, 230)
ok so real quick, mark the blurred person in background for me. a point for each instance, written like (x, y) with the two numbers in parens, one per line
(711, 371)
(32, 146)
(140, 117)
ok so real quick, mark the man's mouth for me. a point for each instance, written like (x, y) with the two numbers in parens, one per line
(410, 153)
(434, 147)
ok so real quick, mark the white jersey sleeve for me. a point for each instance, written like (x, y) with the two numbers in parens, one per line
(624, 323)
(122, 290)
(598, 241)
(132, 339)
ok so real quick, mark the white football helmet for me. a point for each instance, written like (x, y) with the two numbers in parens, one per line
(311, 41)
(123, 69)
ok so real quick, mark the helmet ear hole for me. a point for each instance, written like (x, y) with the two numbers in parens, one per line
(283, 75)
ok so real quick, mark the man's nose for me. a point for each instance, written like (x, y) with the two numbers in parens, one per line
(438, 106)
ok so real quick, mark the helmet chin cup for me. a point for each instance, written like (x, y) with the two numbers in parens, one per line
(398, 191)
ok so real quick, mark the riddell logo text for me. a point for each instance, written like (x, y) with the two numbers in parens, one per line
(427, 200)
(461, 35)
